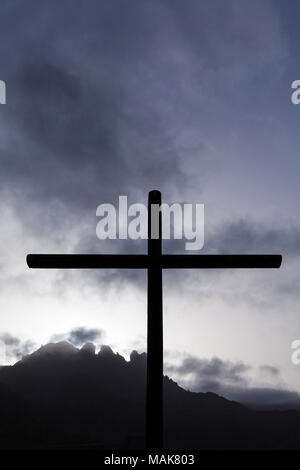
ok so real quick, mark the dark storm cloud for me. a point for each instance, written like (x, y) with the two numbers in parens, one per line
(227, 379)
(98, 98)
(80, 139)
(85, 118)
(100, 94)
(15, 348)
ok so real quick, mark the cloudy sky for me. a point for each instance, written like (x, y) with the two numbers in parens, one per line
(118, 97)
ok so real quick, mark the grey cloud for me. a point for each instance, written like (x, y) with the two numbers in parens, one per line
(227, 379)
(79, 336)
(9, 340)
(82, 335)
(15, 348)
(271, 370)
(253, 237)
(209, 375)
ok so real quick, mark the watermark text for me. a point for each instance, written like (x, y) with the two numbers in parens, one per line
(179, 221)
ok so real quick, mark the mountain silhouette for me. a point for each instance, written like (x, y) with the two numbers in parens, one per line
(63, 397)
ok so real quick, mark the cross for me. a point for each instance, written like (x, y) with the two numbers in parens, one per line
(154, 262)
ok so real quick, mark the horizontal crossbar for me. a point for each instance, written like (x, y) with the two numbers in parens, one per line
(146, 261)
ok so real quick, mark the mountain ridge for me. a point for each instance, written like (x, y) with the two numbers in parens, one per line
(69, 397)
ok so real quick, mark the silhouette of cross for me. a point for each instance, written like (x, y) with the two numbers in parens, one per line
(154, 262)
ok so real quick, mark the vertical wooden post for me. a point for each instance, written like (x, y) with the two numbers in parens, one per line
(154, 406)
